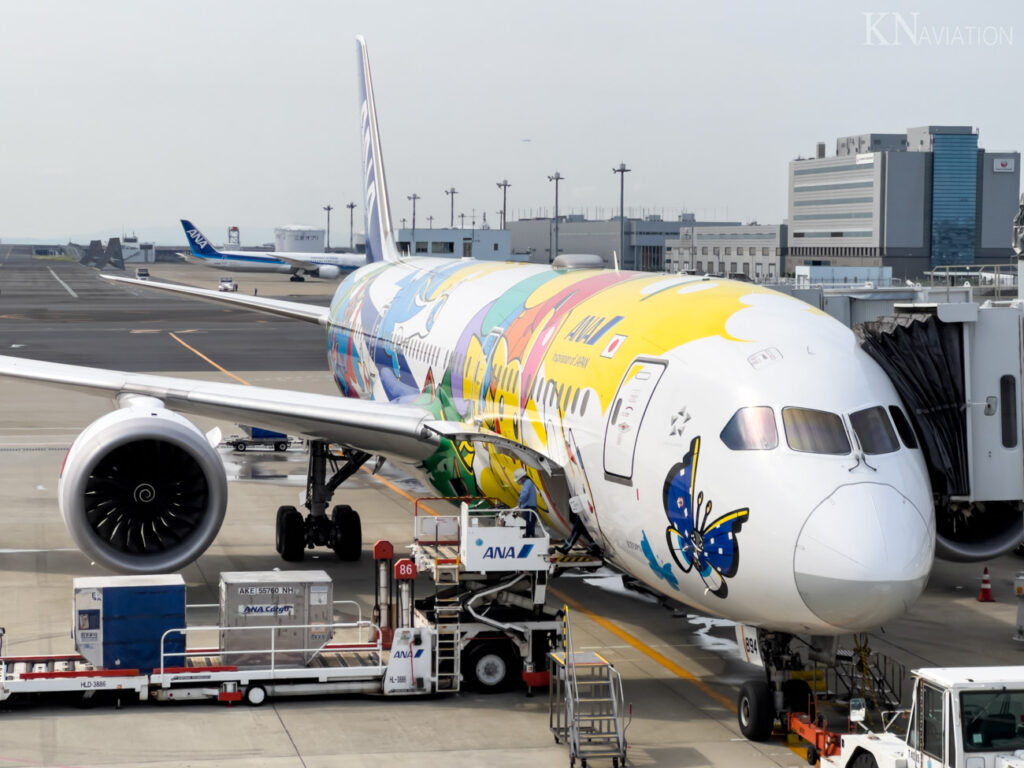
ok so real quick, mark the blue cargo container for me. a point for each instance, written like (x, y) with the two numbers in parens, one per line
(119, 620)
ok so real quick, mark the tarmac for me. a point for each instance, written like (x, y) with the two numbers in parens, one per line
(681, 671)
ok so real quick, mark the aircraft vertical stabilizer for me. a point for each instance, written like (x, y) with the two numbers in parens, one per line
(94, 256)
(113, 254)
(380, 243)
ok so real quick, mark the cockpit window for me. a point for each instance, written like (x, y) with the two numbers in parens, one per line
(751, 429)
(874, 431)
(815, 431)
(903, 426)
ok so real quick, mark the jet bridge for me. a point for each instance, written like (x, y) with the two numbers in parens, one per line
(958, 368)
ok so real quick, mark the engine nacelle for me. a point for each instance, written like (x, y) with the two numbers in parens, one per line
(327, 272)
(973, 532)
(142, 490)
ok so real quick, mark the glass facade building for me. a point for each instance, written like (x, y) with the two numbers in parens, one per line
(954, 198)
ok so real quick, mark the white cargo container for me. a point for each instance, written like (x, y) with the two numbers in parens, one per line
(288, 612)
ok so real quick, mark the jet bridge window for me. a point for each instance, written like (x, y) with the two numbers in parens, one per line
(810, 431)
(874, 431)
(751, 429)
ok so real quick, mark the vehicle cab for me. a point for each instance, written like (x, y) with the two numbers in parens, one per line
(141, 273)
(968, 717)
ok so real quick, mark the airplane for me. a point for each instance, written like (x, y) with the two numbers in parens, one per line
(326, 266)
(729, 447)
(95, 256)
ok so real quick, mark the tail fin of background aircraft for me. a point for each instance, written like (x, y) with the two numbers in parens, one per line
(197, 241)
(94, 255)
(114, 252)
(380, 243)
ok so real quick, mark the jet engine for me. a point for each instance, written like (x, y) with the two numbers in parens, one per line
(328, 272)
(142, 490)
(967, 533)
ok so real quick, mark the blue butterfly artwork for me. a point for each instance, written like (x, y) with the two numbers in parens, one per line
(696, 540)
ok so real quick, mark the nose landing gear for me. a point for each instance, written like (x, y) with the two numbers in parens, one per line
(342, 531)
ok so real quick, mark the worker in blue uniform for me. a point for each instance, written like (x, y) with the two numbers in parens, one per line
(527, 500)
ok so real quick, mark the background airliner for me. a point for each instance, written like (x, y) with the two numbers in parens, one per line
(731, 447)
(327, 266)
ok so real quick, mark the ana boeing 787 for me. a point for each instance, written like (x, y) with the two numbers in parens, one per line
(729, 446)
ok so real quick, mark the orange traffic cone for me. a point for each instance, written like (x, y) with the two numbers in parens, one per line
(985, 595)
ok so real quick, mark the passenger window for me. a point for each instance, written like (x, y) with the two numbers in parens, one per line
(811, 431)
(751, 429)
(903, 426)
(874, 431)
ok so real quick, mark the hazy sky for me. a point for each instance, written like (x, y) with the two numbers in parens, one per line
(126, 116)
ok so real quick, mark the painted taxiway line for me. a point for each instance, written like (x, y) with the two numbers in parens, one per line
(220, 368)
(66, 286)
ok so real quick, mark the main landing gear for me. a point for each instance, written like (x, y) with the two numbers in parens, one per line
(763, 701)
(342, 531)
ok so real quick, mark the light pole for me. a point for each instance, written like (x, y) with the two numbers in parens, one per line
(556, 178)
(328, 208)
(622, 170)
(431, 220)
(414, 197)
(351, 232)
(452, 193)
(503, 185)
(462, 221)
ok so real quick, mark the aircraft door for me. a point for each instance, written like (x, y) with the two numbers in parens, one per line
(627, 413)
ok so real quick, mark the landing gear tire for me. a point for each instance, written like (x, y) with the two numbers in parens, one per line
(348, 533)
(796, 694)
(255, 695)
(755, 712)
(280, 447)
(490, 667)
(291, 534)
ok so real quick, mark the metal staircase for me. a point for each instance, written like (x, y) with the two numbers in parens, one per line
(586, 705)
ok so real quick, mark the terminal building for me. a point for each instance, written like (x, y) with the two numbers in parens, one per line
(754, 251)
(639, 244)
(491, 244)
(913, 201)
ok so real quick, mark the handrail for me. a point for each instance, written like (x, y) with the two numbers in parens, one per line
(376, 647)
(455, 500)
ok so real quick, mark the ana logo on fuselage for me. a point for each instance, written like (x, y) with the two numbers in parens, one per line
(591, 328)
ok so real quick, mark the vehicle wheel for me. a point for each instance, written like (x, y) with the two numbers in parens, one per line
(755, 712)
(280, 447)
(255, 695)
(240, 447)
(796, 695)
(491, 667)
(292, 535)
(812, 755)
(347, 537)
(864, 760)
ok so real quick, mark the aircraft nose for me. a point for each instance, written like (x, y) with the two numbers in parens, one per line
(863, 556)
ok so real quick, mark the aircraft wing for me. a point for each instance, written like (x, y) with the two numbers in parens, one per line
(310, 313)
(388, 429)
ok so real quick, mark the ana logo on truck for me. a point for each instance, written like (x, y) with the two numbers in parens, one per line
(407, 654)
(267, 610)
(507, 553)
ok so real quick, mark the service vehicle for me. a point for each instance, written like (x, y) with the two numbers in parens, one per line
(256, 437)
(227, 284)
(141, 273)
(969, 717)
(278, 633)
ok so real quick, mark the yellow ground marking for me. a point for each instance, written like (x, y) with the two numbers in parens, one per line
(145, 330)
(215, 365)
